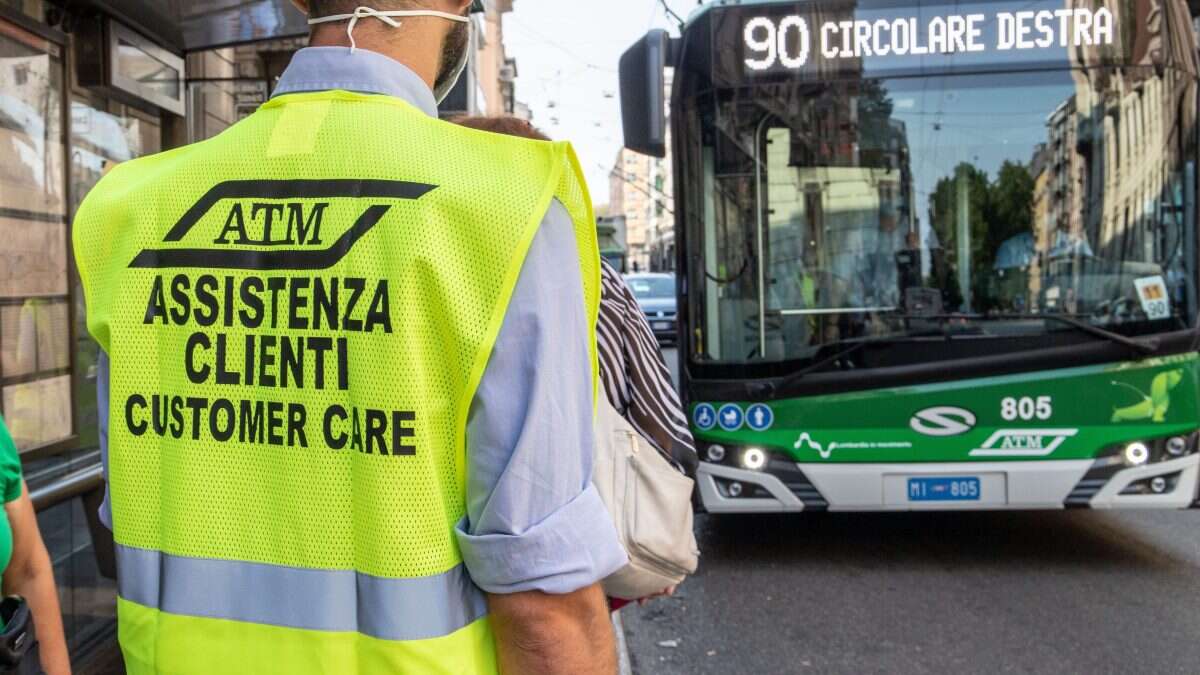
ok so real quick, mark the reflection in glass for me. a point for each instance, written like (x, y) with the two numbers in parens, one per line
(33, 259)
(34, 338)
(88, 600)
(38, 412)
(31, 175)
(35, 395)
(37, 383)
(137, 64)
(886, 208)
(101, 135)
(101, 139)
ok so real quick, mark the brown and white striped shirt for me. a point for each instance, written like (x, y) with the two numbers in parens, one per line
(635, 376)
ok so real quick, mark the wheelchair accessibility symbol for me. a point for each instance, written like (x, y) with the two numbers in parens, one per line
(705, 417)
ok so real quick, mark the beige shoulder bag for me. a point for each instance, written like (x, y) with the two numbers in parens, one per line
(651, 505)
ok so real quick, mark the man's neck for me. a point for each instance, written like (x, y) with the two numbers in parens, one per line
(416, 49)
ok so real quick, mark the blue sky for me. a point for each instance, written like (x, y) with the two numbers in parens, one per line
(567, 52)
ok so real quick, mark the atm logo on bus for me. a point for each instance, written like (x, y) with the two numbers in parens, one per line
(1024, 442)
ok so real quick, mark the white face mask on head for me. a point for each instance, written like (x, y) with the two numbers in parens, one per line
(442, 89)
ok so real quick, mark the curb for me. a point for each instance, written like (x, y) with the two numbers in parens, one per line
(623, 661)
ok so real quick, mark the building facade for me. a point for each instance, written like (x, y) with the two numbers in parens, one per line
(86, 85)
(495, 71)
(640, 189)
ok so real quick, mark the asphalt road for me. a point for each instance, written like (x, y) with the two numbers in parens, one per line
(1055, 592)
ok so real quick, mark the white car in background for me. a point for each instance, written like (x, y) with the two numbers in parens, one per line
(655, 293)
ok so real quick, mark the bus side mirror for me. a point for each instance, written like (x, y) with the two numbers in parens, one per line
(643, 94)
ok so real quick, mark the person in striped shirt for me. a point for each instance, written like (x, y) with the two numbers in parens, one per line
(636, 379)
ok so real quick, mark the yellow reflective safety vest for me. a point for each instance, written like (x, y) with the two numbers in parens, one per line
(298, 313)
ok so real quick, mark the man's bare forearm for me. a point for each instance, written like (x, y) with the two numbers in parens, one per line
(542, 634)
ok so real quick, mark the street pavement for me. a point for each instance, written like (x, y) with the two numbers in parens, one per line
(1029, 592)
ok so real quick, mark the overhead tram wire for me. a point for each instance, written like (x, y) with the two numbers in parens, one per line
(671, 13)
(662, 199)
(559, 46)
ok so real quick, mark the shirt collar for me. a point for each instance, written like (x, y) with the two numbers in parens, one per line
(362, 71)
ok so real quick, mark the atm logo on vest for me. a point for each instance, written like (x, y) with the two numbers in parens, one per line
(253, 221)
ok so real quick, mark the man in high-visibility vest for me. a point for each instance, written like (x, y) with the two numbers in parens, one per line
(349, 371)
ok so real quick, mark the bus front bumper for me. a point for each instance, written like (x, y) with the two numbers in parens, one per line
(792, 487)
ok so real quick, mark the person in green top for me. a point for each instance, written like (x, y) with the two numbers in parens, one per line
(25, 562)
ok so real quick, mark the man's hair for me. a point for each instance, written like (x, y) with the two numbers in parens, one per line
(509, 126)
(320, 8)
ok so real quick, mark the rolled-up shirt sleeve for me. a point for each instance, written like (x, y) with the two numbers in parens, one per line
(534, 520)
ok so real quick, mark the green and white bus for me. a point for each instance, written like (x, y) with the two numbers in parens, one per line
(934, 255)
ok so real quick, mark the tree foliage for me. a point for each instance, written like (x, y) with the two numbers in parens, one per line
(995, 211)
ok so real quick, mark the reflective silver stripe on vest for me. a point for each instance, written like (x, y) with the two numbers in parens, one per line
(324, 600)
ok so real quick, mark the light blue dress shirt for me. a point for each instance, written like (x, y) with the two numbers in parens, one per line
(534, 520)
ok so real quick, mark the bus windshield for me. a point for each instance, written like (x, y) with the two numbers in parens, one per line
(891, 208)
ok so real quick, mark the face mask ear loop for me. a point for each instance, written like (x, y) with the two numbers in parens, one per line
(359, 13)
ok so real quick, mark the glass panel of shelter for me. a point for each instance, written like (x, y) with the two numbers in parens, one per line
(35, 391)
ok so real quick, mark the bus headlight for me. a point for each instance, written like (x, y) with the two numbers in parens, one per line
(715, 453)
(1177, 446)
(754, 459)
(1137, 454)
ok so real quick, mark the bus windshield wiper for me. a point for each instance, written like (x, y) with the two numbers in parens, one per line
(759, 388)
(846, 348)
(1145, 346)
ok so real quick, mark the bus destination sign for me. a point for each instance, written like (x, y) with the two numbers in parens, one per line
(828, 37)
(788, 41)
